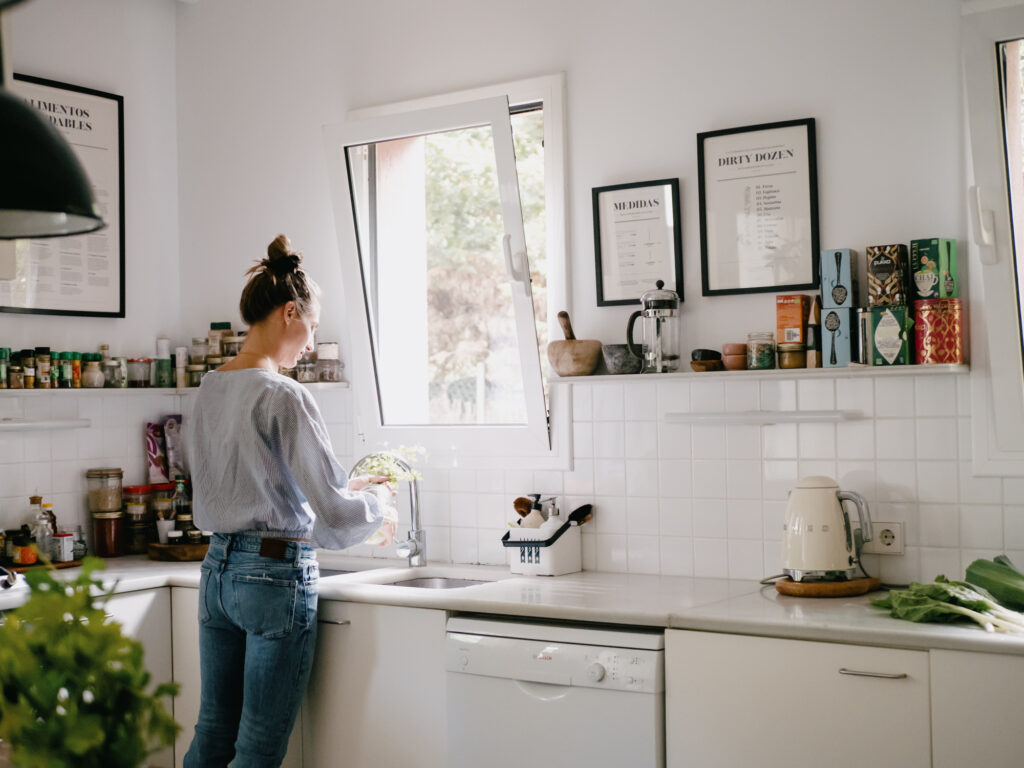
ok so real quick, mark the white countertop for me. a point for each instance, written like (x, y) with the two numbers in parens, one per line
(714, 605)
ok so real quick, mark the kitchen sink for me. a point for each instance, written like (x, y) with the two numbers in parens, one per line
(436, 582)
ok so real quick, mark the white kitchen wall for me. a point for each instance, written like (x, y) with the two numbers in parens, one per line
(127, 48)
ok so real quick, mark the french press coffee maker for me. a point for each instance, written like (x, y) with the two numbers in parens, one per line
(660, 328)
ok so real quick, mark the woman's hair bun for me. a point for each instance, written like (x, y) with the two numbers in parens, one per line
(281, 259)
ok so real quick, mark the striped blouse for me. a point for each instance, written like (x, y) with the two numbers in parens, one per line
(262, 462)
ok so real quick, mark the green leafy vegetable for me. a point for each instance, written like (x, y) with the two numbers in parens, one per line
(73, 689)
(999, 577)
(947, 601)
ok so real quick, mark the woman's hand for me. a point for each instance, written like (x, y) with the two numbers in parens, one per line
(360, 482)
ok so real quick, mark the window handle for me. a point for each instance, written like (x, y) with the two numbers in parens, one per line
(983, 223)
(520, 277)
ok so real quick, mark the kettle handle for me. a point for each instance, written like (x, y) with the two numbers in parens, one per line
(862, 512)
(633, 348)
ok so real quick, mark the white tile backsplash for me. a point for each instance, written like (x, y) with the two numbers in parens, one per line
(935, 396)
(609, 439)
(608, 402)
(641, 439)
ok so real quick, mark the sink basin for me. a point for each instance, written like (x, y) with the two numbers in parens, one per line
(437, 582)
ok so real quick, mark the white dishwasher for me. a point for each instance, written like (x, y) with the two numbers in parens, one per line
(539, 695)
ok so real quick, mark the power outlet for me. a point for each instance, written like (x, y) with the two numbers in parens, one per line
(888, 539)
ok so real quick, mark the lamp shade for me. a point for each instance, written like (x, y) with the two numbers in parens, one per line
(43, 190)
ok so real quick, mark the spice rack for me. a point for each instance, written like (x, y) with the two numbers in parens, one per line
(316, 386)
(850, 372)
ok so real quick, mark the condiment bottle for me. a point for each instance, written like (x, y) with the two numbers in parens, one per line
(5, 361)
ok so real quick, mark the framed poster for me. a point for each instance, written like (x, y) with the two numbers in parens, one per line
(638, 240)
(80, 274)
(758, 208)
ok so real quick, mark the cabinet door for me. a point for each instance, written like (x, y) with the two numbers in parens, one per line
(377, 693)
(734, 700)
(976, 709)
(185, 640)
(146, 616)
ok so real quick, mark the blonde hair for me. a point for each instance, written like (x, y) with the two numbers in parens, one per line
(275, 281)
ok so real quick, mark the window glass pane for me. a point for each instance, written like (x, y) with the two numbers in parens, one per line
(430, 230)
(1012, 59)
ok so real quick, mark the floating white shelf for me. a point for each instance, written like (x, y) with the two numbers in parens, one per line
(134, 392)
(763, 417)
(35, 425)
(859, 371)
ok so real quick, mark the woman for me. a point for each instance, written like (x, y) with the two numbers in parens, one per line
(266, 481)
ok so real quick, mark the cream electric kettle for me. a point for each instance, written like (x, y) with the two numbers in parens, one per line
(818, 542)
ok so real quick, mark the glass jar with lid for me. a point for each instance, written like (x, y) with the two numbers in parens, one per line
(195, 374)
(230, 346)
(108, 534)
(92, 376)
(792, 355)
(139, 372)
(15, 377)
(329, 370)
(111, 373)
(104, 486)
(213, 363)
(305, 371)
(197, 351)
(136, 498)
(163, 508)
(760, 351)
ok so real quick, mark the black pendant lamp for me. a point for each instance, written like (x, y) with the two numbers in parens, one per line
(44, 191)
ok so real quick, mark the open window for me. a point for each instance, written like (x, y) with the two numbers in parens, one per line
(993, 55)
(439, 280)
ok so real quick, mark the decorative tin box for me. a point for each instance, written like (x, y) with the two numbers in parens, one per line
(933, 264)
(838, 278)
(888, 273)
(891, 339)
(838, 332)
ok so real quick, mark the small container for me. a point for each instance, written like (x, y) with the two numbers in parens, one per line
(139, 372)
(15, 377)
(197, 351)
(230, 346)
(305, 371)
(42, 367)
(175, 537)
(137, 537)
(92, 376)
(111, 374)
(22, 551)
(104, 489)
(289, 372)
(760, 351)
(328, 350)
(213, 363)
(183, 522)
(193, 536)
(792, 355)
(76, 370)
(164, 372)
(194, 374)
(137, 494)
(108, 534)
(30, 376)
(735, 362)
(67, 374)
(63, 547)
(5, 361)
(163, 508)
(329, 370)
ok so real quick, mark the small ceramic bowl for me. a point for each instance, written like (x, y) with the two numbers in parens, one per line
(618, 359)
(735, 362)
(703, 366)
(705, 354)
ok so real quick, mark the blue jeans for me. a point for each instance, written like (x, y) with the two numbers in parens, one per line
(257, 630)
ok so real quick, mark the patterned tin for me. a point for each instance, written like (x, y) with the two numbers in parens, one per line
(888, 273)
(939, 331)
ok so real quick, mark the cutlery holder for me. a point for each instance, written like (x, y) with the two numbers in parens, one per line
(556, 555)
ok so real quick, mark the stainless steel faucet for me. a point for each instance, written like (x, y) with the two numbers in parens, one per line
(415, 547)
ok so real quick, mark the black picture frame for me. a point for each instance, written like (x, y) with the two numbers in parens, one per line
(749, 206)
(107, 139)
(609, 262)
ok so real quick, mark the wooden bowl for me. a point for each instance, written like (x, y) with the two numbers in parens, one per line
(574, 358)
(703, 366)
(735, 362)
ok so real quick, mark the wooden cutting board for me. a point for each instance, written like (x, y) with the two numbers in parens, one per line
(827, 588)
(23, 568)
(179, 552)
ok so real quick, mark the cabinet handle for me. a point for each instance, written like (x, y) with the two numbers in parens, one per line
(884, 675)
(336, 622)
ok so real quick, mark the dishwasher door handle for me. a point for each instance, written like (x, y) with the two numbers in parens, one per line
(882, 675)
(335, 622)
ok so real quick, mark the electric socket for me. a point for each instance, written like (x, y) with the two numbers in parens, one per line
(888, 539)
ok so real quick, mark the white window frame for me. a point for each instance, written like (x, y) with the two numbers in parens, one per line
(545, 443)
(997, 375)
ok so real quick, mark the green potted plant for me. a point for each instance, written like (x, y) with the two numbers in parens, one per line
(73, 689)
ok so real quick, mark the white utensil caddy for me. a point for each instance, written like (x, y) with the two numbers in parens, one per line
(558, 554)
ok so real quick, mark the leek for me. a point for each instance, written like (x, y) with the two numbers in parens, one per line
(951, 601)
(1000, 578)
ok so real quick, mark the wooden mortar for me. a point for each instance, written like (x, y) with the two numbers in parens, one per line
(573, 357)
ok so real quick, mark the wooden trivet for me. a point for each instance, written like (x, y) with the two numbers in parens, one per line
(827, 588)
(23, 568)
(178, 552)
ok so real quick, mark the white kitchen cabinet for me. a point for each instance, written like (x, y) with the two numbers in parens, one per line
(976, 717)
(377, 693)
(185, 640)
(146, 616)
(733, 700)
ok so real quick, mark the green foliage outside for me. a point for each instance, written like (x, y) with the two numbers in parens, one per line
(73, 689)
(469, 305)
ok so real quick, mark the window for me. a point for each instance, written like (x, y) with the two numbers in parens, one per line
(444, 214)
(993, 64)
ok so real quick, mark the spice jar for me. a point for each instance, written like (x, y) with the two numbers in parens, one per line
(137, 538)
(760, 351)
(104, 489)
(5, 361)
(213, 363)
(163, 508)
(792, 355)
(111, 373)
(195, 374)
(175, 537)
(305, 371)
(329, 370)
(193, 536)
(15, 377)
(76, 370)
(230, 346)
(139, 372)
(64, 381)
(42, 367)
(92, 376)
(197, 352)
(108, 533)
(63, 547)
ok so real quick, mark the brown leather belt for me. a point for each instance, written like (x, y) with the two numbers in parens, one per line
(277, 548)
